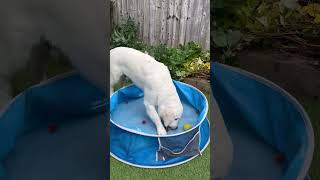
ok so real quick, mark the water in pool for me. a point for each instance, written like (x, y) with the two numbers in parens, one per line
(132, 115)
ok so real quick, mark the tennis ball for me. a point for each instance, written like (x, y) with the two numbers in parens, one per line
(186, 126)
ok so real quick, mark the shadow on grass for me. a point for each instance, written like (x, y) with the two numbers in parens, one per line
(23, 78)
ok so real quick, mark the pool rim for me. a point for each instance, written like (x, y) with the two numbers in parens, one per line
(167, 135)
(42, 83)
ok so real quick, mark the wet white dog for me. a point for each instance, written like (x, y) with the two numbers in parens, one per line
(161, 99)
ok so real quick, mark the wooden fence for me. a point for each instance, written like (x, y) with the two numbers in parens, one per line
(170, 22)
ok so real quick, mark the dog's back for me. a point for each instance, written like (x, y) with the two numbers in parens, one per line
(140, 67)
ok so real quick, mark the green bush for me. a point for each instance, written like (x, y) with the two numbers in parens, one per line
(182, 61)
(125, 35)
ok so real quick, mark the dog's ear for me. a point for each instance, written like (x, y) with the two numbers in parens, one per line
(163, 111)
(166, 111)
(146, 52)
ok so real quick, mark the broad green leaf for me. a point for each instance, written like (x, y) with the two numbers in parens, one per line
(290, 4)
(263, 20)
(233, 38)
(248, 37)
(219, 38)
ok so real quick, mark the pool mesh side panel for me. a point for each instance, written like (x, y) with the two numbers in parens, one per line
(183, 145)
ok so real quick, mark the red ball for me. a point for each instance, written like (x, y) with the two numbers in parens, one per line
(52, 128)
(279, 158)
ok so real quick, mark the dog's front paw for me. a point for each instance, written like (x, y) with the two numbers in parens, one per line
(162, 131)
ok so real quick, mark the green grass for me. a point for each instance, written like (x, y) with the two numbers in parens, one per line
(198, 168)
(313, 110)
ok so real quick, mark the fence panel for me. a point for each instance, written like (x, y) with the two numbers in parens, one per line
(170, 22)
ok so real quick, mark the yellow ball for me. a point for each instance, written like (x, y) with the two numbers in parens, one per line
(186, 126)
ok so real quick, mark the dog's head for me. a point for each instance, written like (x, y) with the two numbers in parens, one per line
(170, 112)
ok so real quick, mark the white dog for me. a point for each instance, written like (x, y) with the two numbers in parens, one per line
(161, 100)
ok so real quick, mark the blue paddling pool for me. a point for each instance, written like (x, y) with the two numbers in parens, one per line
(55, 130)
(271, 133)
(133, 136)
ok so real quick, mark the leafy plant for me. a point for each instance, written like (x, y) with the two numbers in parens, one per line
(291, 24)
(179, 60)
(228, 41)
(313, 10)
(125, 34)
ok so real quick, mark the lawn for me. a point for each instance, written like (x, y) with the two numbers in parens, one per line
(198, 168)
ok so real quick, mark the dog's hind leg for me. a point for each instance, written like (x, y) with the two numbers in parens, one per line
(115, 75)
